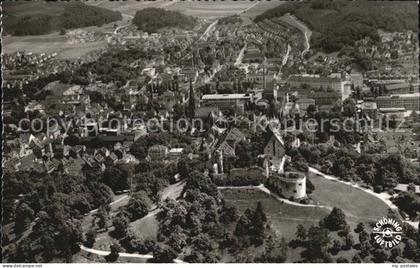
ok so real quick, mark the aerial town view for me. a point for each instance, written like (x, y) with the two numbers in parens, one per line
(170, 131)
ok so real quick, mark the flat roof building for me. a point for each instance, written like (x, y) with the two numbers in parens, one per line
(225, 101)
(407, 101)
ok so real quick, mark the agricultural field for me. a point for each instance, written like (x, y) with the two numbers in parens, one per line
(130, 7)
(249, 15)
(211, 10)
(49, 44)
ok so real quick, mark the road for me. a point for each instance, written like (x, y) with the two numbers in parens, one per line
(306, 32)
(128, 18)
(241, 55)
(112, 203)
(248, 8)
(172, 191)
(286, 57)
(207, 31)
(122, 254)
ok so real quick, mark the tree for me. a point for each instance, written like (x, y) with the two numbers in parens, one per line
(336, 247)
(202, 183)
(394, 54)
(228, 214)
(178, 111)
(138, 206)
(336, 220)
(345, 231)
(24, 215)
(90, 238)
(360, 227)
(411, 187)
(342, 260)
(246, 154)
(115, 178)
(380, 256)
(274, 252)
(301, 232)
(395, 253)
(244, 227)
(408, 202)
(120, 223)
(177, 241)
(191, 102)
(363, 237)
(317, 243)
(163, 254)
(258, 222)
(103, 217)
(349, 241)
(410, 249)
(185, 167)
(356, 259)
(114, 254)
(349, 107)
(71, 140)
(311, 110)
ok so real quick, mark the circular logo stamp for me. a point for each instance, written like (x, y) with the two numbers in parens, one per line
(387, 232)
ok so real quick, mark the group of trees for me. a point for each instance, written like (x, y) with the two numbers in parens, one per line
(247, 152)
(54, 17)
(333, 235)
(381, 171)
(199, 225)
(408, 202)
(230, 19)
(47, 213)
(250, 228)
(112, 66)
(346, 22)
(141, 146)
(152, 19)
(318, 242)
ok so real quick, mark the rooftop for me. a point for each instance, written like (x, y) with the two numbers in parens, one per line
(225, 96)
(369, 105)
(403, 187)
(395, 96)
(397, 86)
(298, 78)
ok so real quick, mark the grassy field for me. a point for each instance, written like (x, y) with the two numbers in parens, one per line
(258, 9)
(358, 205)
(146, 227)
(210, 9)
(130, 7)
(49, 44)
(284, 218)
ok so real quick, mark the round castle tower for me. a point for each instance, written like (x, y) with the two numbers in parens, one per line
(293, 185)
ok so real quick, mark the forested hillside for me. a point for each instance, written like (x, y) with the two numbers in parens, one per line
(340, 23)
(41, 17)
(152, 19)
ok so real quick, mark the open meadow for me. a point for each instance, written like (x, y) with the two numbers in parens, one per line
(284, 218)
(49, 44)
(358, 205)
(130, 7)
(258, 9)
(211, 9)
